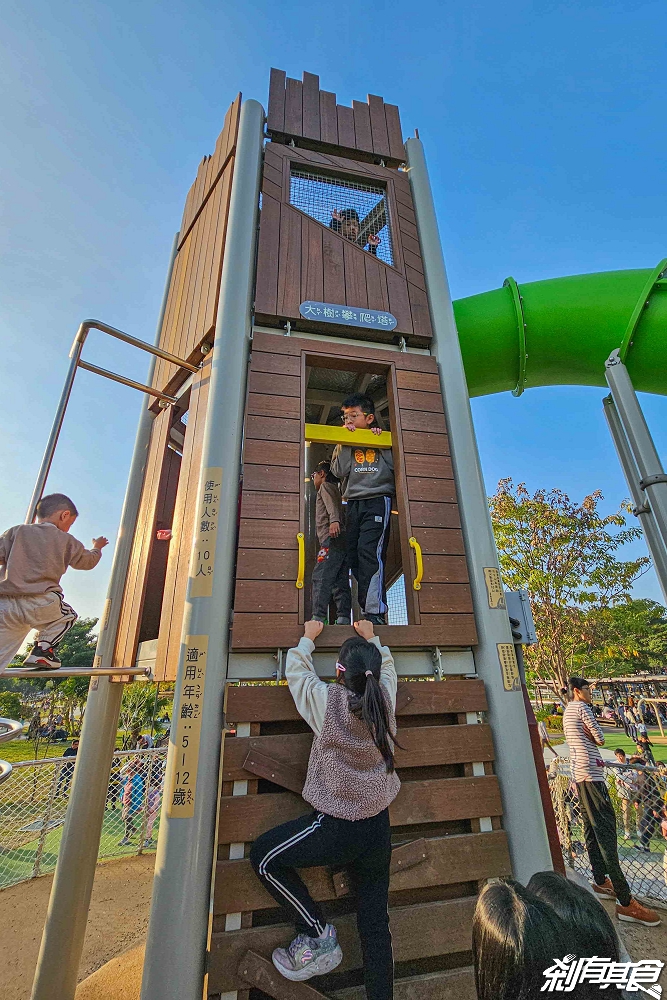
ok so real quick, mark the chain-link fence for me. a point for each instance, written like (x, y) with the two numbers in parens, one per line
(639, 797)
(33, 803)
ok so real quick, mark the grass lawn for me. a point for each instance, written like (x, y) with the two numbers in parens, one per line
(614, 738)
(25, 750)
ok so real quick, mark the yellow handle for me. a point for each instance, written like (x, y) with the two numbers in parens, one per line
(302, 560)
(417, 582)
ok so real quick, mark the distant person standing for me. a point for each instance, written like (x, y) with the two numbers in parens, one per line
(583, 736)
(626, 790)
(33, 557)
(67, 770)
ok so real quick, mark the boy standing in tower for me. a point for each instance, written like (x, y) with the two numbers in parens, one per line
(33, 557)
(368, 487)
(331, 578)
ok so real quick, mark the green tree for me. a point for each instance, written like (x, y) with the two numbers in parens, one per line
(623, 637)
(77, 649)
(140, 710)
(10, 705)
(565, 554)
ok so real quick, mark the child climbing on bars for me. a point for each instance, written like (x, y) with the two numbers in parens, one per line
(331, 578)
(350, 784)
(33, 557)
(368, 479)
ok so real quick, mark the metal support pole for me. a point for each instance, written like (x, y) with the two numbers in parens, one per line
(64, 932)
(56, 427)
(523, 816)
(652, 478)
(179, 922)
(654, 543)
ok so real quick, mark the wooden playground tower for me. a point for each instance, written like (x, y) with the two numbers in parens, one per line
(281, 316)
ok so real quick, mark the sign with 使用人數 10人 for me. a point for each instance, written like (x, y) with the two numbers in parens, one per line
(369, 319)
(208, 513)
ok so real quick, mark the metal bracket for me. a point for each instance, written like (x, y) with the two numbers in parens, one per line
(644, 298)
(279, 657)
(644, 509)
(517, 302)
(659, 477)
(402, 344)
(436, 656)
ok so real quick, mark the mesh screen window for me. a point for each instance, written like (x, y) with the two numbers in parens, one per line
(356, 211)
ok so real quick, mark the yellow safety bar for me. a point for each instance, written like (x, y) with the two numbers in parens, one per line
(417, 582)
(302, 560)
(328, 434)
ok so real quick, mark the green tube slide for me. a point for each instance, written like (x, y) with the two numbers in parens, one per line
(561, 331)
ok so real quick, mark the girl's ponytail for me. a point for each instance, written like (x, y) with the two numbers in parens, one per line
(362, 662)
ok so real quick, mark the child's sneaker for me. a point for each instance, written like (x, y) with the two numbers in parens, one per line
(42, 656)
(376, 619)
(307, 957)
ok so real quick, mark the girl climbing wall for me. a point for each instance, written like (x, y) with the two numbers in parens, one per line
(350, 784)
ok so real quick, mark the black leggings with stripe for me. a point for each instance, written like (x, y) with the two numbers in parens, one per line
(364, 849)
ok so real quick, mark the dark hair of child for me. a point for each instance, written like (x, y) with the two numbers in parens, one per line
(576, 684)
(365, 403)
(54, 502)
(515, 938)
(325, 467)
(579, 909)
(362, 662)
(346, 214)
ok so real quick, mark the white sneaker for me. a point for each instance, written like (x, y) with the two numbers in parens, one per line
(307, 957)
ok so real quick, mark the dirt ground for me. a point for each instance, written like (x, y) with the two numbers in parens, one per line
(117, 922)
(113, 950)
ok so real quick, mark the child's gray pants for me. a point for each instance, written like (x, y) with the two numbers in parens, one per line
(48, 613)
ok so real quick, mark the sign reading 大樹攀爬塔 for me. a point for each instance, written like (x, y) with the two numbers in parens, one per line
(369, 319)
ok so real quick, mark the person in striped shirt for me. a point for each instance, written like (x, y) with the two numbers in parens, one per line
(584, 736)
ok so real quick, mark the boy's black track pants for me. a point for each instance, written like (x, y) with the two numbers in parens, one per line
(364, 849)
(367, 528)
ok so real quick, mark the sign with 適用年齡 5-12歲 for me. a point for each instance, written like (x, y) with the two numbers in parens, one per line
(369, 319)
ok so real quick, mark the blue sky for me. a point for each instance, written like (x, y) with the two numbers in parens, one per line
(544, 129)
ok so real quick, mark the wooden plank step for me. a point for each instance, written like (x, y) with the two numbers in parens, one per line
(266, 703)
(457, 984)
(422, 746)
(449, 860)
(245, 818)
(263, 974)
(421, 931)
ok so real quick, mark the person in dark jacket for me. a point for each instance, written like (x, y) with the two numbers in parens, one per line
(331, 577)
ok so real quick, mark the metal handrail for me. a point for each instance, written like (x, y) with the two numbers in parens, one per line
(73, 672)
(14, 728)
(75, 364)
(60, 760)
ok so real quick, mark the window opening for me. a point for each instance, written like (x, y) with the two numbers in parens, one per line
(156, 572)
(325, 390)
(355, 210)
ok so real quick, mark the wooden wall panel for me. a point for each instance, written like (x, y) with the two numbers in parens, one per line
(300, 259)
(193, 294)
(300, 110)
(268, 616)
(439, 857)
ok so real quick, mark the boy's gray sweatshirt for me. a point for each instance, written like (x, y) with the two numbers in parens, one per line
(364, 471)
(33, 557)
